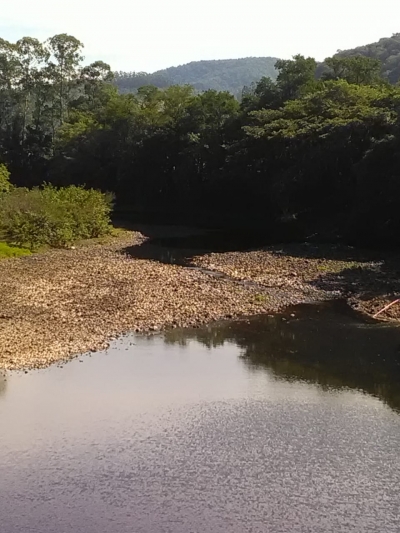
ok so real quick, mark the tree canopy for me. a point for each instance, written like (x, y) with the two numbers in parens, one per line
(300, 155)
(386, 52)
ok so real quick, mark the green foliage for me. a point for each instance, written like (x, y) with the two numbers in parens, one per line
(54, 217)
(336, 104)
(7, 251)
(5, 185)
(386, 51)
(212, 109)
(79, 124)
(295, 76)
(260, 299)
(359, 70)
(307, 152)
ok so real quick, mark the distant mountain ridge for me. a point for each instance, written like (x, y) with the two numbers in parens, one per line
(220, 74)
(233, 74)
(387, 50)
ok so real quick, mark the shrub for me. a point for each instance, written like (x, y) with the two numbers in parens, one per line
(54, 217)
(5, 185)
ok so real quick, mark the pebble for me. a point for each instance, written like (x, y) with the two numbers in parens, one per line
(61, 304)
(57, 305)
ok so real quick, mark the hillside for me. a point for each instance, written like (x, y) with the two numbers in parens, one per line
(223, 75)
(387, 50)
(233, 74)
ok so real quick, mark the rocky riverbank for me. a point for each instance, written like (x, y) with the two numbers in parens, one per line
(368, 280)
(62, 303)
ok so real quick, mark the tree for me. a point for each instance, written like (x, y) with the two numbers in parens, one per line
(31, 54)
(93, 78)
(359, 70)
(295, 76)
(316, 142)
(176, 100)
(264, 94)
(66, 50)
(8, 85)
(314, 154)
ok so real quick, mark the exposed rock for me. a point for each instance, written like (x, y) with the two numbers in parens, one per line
(62, 303)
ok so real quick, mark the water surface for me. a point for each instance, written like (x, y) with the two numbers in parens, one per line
(277, 424)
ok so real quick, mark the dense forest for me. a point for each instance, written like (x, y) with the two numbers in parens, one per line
(298, 157)
(386, 50)
(221, 75)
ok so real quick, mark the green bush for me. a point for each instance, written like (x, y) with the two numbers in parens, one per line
(54, 217)
(5, 185)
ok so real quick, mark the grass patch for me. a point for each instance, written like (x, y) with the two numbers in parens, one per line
(335, 267)
(12, 251)
(260, 299)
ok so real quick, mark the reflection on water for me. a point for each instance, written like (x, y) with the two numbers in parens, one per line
(269, 425)
(325, 344)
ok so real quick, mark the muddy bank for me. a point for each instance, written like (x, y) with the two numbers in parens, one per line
(66, 302)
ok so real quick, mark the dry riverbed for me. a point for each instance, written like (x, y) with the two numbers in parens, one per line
(62, 303)
(369, 281)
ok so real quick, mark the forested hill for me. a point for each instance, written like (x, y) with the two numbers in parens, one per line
(233, 74)
(386, 50)
(222, 75)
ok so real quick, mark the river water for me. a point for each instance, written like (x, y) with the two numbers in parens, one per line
(278, 424)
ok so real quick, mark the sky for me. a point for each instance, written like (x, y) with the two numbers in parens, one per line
(147, 35)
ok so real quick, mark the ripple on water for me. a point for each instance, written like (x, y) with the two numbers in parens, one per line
(221, 429)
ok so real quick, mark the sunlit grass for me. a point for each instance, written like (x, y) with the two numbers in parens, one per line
(335, 267)
(260, 299)
(12, 251)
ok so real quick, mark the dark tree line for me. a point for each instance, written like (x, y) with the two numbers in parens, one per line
(298, 156)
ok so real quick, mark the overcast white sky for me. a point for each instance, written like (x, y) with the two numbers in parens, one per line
(153, 34)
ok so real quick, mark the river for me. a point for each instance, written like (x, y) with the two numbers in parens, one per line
(287, 423)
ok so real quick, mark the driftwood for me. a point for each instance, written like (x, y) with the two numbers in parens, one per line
(386, 308)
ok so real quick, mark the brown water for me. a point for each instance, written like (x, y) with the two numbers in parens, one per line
(279, 424)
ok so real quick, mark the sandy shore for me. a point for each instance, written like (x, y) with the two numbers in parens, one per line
(62, 303)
